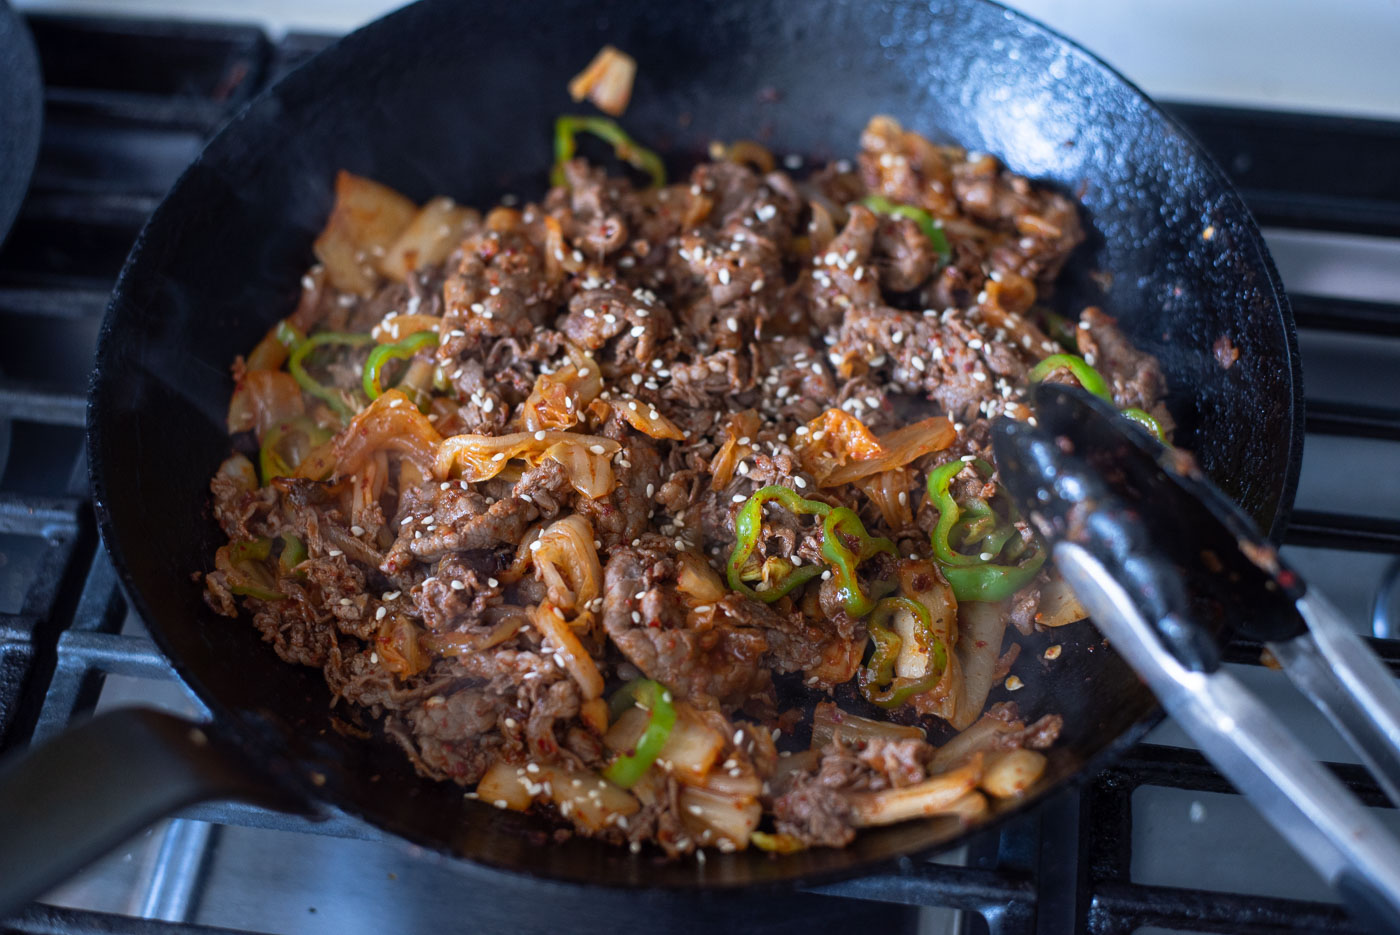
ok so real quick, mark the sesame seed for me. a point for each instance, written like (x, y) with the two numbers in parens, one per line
(636, 617)
(335, 553)
(345, 602)
(492, 583)
(739, 498)
(1053, 652)
(458, 586)
(498, 456)
(723, 276)
(732, 324)
(986, 556)
(357, 530)
(539, 436)
(1013, 683)
(381, 613)
(597, 449)
(917, 363)
(535, 546)
(800, 482)
(637, 331)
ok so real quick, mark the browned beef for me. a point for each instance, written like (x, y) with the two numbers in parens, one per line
(740, 304)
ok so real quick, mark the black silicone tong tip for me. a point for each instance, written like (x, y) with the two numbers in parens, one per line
(1087, 475)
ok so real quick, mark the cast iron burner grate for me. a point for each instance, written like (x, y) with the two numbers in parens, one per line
(128, 106)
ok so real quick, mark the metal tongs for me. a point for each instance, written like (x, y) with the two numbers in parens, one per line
(1168, 567)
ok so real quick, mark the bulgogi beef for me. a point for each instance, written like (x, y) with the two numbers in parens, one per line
(562, 493)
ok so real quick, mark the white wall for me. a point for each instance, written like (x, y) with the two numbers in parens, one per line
(1331, 55)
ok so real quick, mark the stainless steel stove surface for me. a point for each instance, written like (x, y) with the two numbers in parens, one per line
(1159, 842)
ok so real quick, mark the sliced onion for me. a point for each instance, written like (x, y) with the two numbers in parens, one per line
(394, 330)
(697, 580)
(931, 797)
(981, 626)
(558, 398)
(567, 562)
(475, 457)
(647, 419)
(828, 720)
(607, 81)
(884, 491)
(390, 423)
(900, 447)
(262, 399)
(740, 425)
(579, 664)
(398, 647)
(434, 232)
(1058, 605)
(365, 222)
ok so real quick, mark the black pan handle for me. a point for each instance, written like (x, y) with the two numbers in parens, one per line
(71, 800)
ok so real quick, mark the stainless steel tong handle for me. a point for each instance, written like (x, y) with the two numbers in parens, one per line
(1337, 671)
(1325, 823)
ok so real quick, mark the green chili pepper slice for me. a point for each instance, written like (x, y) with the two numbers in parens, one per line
(877, 681)
(248, 558)
(839, 524)
(932, 229)
(293, 553)
(1093, 381)
(566, 131)
(748, 525)
(1088, 377)
(384, 353)
(627, 770)
(1146, 420)
(296, 365)
(972, 577)
(273, 461)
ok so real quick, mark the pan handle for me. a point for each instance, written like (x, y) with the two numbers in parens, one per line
(71, 800)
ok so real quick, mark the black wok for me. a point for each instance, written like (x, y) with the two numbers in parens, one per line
(452, 98)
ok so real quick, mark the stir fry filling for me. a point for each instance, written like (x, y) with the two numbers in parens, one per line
(601, 507)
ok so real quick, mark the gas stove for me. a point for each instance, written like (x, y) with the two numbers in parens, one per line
(1158, 842)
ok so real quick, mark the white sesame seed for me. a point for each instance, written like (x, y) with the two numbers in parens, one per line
(597, 449)
(335, 553)
(539, 436)
(381, 613)
(800, 482)
(492, 583)
(357, 530)
(724, 276)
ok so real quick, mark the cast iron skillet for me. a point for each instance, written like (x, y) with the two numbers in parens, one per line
(443, 97)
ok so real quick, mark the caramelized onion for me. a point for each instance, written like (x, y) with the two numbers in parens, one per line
(834, 439)
(647, 419)
(741, 425)
(899, 448)
(390, 423)
(567, 562)
(884, 490)
(607, 81)
(393, 330)
(587, 458)
(365, 222)
(579, 664)
(262, 399)
(559, 397)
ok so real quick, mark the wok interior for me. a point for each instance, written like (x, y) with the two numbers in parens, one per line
(411, 102)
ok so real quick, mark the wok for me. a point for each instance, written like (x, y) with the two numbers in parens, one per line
(453, 98)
